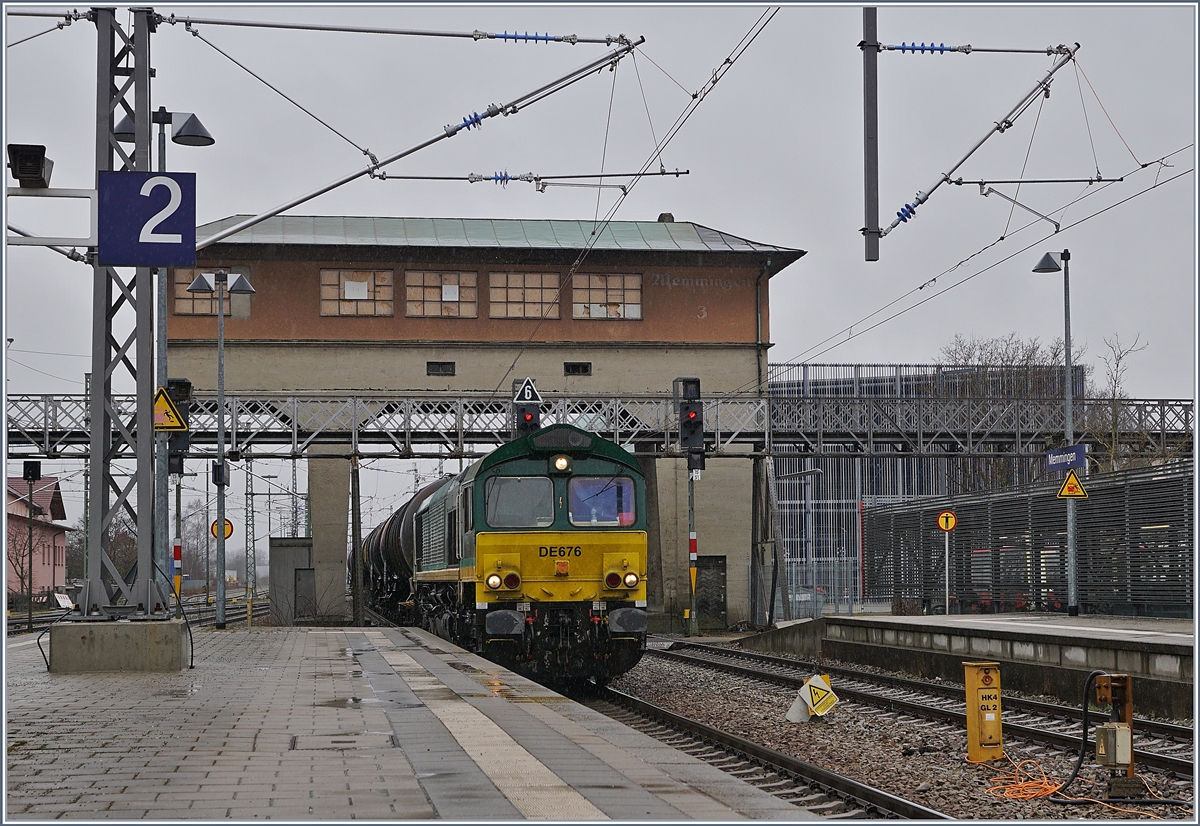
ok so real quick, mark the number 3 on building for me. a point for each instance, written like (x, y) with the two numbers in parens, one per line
(703, 312)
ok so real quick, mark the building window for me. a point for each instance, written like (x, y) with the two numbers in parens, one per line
(606, 296)
(523, 295)
(441, 294)
(356, 293)
(197, 303)
(577, 368)
(439, 368)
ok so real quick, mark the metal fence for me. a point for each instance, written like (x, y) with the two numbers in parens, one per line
(1135, 543)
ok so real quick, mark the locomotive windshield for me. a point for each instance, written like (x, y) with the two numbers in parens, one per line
(520, 502)
(602, 501)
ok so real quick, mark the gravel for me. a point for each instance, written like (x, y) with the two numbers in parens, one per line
(919, 760)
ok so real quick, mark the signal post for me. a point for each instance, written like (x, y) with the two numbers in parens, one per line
(686, 392)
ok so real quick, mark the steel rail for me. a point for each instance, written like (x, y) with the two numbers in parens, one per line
(843, 786)
(924, 711)
(1155, 727)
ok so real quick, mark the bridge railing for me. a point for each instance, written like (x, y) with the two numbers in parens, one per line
(58, 425)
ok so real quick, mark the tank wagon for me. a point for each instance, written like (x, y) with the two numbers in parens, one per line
(534, 557)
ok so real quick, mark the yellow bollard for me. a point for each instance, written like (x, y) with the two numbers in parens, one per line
(985, 734)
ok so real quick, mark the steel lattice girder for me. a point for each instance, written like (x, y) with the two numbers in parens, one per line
(57, 426)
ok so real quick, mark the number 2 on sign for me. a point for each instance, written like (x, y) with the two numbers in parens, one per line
(148, 235)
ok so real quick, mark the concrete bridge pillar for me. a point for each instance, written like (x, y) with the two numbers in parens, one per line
(329, 498)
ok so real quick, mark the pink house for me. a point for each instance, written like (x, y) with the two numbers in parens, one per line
(49, 539)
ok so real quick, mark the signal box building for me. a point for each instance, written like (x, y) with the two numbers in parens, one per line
(360, 305)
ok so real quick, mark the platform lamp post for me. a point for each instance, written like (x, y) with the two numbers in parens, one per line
(186, 130)
(1047, 265)
(217, 283)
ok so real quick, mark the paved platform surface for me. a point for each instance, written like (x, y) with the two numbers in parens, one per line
(1099, 627)
(338, 724)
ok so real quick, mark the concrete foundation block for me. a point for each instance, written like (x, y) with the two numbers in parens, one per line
(152, 645)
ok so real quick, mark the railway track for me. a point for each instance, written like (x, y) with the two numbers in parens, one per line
(197, 612)
(1157, 745)
(809, 787)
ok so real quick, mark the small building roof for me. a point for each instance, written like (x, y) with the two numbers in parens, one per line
(47, 497)
(495, 234)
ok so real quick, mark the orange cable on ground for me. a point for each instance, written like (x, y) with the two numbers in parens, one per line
(1021, 784)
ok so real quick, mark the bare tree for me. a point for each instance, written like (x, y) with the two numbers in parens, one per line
(17, 549)
(1109, 433)
(1002, 368)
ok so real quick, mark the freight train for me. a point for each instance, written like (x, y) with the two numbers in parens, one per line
(534, 557)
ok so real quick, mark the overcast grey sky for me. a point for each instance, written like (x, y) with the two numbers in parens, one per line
(774, 151)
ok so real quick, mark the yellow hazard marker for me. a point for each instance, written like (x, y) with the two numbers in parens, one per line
(167, 417)
(818, 694)
(1072, 488)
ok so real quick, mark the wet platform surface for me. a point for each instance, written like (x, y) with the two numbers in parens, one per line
(321, 724)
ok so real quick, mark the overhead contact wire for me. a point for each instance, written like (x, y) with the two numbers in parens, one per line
(1086, 122)
(697, 99)
(266, 83)
(1003, 260)
(1105, 111)
(646, 104)
(604, 149)
(1025, 163)
(849, 330)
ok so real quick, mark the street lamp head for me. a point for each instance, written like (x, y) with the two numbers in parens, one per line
(241, 286)
(203, 283)
(187, 130)
(124, 131)
(1047, 264)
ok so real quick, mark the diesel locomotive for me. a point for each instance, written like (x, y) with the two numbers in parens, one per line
(534, 557)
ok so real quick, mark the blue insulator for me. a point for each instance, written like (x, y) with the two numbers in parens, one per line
(472, 119)
(941, 48)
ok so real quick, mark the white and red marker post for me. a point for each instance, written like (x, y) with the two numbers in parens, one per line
(177, 573)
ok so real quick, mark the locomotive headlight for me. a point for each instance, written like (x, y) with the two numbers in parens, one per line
(562, 464)
(511, 580)
(631, 580)
(612, 580)
(493, 581)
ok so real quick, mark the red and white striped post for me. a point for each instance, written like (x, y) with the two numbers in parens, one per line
(177, 573)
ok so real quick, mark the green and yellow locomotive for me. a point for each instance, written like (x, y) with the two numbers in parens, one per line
(534, 557)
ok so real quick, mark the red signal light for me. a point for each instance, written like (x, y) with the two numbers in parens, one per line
(529, 417)
(691, 414)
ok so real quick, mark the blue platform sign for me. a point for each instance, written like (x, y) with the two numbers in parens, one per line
(147, 219)
(1065, 458)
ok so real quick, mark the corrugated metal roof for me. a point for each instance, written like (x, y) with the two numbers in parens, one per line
(506, 233)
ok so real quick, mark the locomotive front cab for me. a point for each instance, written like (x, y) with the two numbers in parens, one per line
(560, 555)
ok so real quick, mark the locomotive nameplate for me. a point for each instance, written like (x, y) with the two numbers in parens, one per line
(536, 555)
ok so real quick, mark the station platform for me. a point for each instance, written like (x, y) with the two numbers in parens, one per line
(1048, 654)
(338, 724)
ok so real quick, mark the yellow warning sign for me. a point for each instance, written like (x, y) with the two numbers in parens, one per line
(1072, 488)
(166, 414)
(817, 693)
